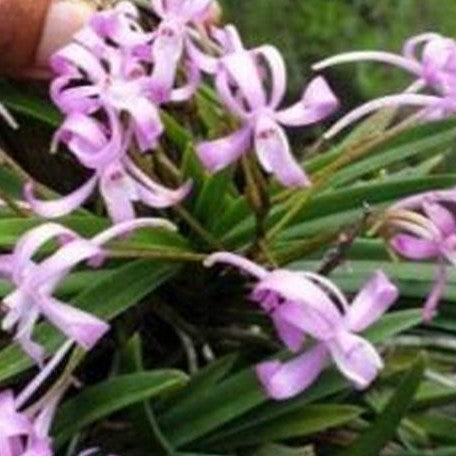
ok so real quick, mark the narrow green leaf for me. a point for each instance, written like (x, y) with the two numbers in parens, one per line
(142, 416)
(437, 425)
(107, 298)
(174, 131)
(29, 104)
(450, 451)
(300, 423)
(432, 144)
(384, 427)
(203, 381)
(99, 401)
(215, 407)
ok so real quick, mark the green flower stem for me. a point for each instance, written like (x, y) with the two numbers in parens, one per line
(11, 203)
(164, 255)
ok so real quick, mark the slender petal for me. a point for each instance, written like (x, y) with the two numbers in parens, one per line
(77, 325)
(119, 192)
(217, 155)
(317, 103)
(356, 358)
(292, 336)
(410, 46)
(29, 244)
(64, 259)
(372, 106)
(244, 73)
(129, 226)
(153, 194)
(274, 60)
(239, 262)
(414, 248)
(436, 294)
(273, 151)
(375, 56)
(372, 301)
(441, 217)
(167, 51)
(62, 206)
(285, 380)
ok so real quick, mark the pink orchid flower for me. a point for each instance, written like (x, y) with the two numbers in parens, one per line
(434, 69)
(120, 181)
(13, 425)
(171, 41)
(241, 78)
(425, 228)
(25, 431)
(35, 283)
(304, 304)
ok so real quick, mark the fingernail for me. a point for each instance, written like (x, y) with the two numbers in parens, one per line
(64, 19)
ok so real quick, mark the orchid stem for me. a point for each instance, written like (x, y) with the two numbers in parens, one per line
(257, 197)
(22, 174)
(74, 361)
(165, 255)
(193, 223)
(196, 226)
(18, 210)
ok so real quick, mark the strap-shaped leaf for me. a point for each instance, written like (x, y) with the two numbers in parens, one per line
(383, 429)
(106, 298)
(103, 399)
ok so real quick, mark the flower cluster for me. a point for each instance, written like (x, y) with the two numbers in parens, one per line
(32, 300)
(302, 304)
(113, 78)
(108, 90)
(434, 70)
(111, 83)
(423, 227)
(25, 431)
(242, 79)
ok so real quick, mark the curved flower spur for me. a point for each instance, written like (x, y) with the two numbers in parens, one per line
(434, 70)
(35, 283)
(242, 78)
(423, 227)
(302, 304)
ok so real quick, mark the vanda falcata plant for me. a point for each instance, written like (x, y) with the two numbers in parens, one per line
(212, 287)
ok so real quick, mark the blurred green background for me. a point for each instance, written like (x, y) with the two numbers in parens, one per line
(308, 30)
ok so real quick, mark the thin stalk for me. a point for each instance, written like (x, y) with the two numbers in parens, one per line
(302, 248)
(64, 380)
(164, 255)
(196, 226)
(259, 202)
(22, 174)
(11, 203)
(188, 218)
